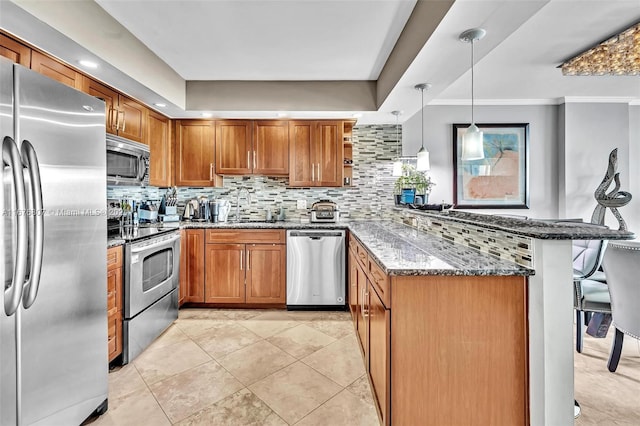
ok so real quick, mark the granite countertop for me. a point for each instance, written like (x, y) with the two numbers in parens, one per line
(547, 229)
(264, 225)
(114, 242)
(402, 250)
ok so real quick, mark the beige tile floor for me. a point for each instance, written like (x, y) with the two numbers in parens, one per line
(257, 367)
(245, 367)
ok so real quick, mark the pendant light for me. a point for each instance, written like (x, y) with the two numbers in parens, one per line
(472, 146)
(397, 164)
(423, 155)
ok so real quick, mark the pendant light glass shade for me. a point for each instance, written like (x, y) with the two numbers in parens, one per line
(472, 140)
(423, 163)
(472, 148)
(397, 168)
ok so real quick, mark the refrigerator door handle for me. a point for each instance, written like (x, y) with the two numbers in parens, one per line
(36, 217)
(13, 293)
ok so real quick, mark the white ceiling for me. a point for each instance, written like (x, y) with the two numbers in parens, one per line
(516, 63)
(267, 40)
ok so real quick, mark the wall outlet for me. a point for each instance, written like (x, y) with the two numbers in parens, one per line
(302, 204)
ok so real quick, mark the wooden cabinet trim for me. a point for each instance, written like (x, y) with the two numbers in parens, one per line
(15, 51)
(246, 236)
(56, 70)
(380, 281)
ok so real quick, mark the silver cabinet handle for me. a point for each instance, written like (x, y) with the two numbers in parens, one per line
(36, 238)
(255, 160)
(248, 161)
(313, 173)
(111, 110)
(248, 260)
(319, 177)
(124, 120)
(210, 171)
(241, 252)
(117, 120)
(13, 293)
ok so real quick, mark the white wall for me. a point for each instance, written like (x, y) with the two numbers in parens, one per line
(543, 141)
(592, 131)
(631, 212)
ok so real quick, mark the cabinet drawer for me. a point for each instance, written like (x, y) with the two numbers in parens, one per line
(243, 236)
(380, 281)
(360, 253)
(114, 258)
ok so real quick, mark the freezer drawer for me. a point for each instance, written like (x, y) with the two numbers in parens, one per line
(316, 269)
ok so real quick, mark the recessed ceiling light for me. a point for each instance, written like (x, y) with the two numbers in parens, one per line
(88, 64)
(161, 105)
(357, 115)
(207, 115)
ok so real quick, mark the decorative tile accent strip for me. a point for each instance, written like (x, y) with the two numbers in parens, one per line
(374, 146)
(515, 248)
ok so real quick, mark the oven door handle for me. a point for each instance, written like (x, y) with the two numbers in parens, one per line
(152, 247)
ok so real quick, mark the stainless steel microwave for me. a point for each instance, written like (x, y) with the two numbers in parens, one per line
(127, 162)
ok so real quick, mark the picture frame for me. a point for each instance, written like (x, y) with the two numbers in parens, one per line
(501, 179)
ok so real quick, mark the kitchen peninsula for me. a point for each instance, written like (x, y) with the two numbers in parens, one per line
(471, 312)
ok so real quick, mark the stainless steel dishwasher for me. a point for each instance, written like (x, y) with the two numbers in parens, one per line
(316, 269)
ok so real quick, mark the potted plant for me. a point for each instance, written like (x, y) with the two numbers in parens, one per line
(412, 187)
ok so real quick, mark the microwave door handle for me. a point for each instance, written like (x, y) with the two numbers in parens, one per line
(155, 246)
(13, 293)
(36, 225)
(141, 168)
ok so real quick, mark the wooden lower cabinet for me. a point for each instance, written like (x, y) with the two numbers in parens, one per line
(114, 301)
(443, 349)
(191, 266)
(224, 276)
(233, 266)
(265, 274)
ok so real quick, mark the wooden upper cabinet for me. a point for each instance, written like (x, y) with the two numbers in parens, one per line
(124, 117)
(271, 147)
(233, 147)
(315, 153)
(131, 120)
(329, 153)
(55, 70)
(18, 53)
(265, 273)
(195, 154)
(110, 98)
(158, 136)
(301, 153)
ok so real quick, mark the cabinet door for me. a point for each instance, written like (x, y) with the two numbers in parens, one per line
(225, 273)
(110, 98)
(56, 70)
(265, 273)
(233, 147)
(353, 287)
(159, 140)
(302, 170)
(363, 315)
(131, 120)
(271, 147)
(379, 349)
(15, 51)
(192, 265)
(194, 156)
(329, 154)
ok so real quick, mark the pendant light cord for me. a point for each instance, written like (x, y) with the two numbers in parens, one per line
(472, 103)
(422, 106)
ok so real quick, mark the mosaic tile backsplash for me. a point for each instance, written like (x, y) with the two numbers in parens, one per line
(515, 248)
(371, 197)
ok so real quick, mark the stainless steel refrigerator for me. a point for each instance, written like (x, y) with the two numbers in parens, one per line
(53, 320)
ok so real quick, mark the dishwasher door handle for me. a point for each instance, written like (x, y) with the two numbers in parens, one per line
(315, 235)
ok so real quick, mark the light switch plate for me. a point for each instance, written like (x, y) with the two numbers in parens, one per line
(302, 204)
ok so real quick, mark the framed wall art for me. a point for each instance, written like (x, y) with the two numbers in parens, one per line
(499, 180)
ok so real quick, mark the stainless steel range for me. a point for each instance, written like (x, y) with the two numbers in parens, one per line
(152, 270)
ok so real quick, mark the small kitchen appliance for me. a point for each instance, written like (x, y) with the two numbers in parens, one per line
(324, 211)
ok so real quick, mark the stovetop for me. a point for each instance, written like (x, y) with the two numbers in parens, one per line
(143, 232)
